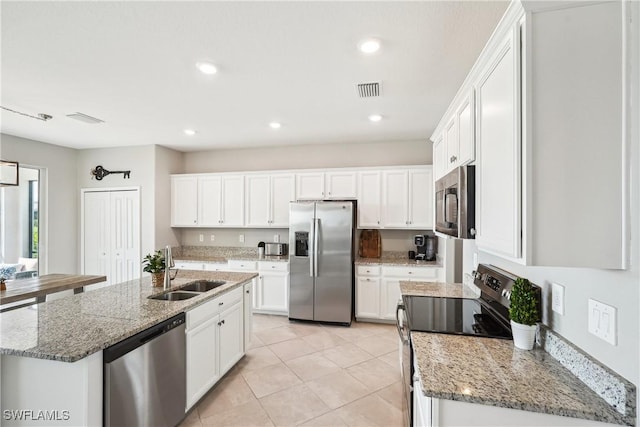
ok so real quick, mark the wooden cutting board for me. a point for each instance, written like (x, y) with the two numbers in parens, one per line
(370, 244)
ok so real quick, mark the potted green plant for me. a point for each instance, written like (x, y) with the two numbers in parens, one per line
(523, 312)
(154, 264)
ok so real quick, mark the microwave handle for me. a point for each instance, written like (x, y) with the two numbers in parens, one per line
(444, 206)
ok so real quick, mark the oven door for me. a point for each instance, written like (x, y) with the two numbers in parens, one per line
(406, 362)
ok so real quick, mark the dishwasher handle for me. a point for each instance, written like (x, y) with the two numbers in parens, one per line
(141, 338)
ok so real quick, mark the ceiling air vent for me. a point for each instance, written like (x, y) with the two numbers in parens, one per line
(367, 90)
(85, 118)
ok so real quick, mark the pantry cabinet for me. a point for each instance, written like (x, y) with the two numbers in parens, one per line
(267, 200)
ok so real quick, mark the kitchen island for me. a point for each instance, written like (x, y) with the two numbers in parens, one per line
(51, 353)
(468, 380)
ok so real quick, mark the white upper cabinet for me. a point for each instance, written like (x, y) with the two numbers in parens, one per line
(543, 122)
(310, 186)
(208, 200)
(498, 224)
(267, 199)
(340, 185)
(452, 143)
(440, 163)
(369, 198)
(407, 198)
(337, 185)
(455, 145)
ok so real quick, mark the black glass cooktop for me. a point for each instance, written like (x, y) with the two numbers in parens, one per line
(454, 316)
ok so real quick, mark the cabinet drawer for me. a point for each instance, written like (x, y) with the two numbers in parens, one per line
(189, 266)
(264, 266)
(243, 265)
(212, 308)
(410, 272)
(368, 270)
(230, 298)
(215, 266)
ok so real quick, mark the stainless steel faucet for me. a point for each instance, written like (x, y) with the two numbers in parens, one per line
(168, 265)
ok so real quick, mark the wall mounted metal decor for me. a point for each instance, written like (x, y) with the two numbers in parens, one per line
(99, 172)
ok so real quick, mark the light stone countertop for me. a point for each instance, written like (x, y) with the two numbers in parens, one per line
(71, 328)
(396, 261)
(491, 371)
(217, 259)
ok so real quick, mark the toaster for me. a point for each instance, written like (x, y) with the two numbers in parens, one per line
(275, 249)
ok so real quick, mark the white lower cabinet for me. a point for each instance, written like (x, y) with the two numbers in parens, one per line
(248, 313)
(273, 287)
(215, 342)
(378, 288)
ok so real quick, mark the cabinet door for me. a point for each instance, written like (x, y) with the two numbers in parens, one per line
(274, 292)
(421, 198)
(202, 359)
(368, 297)
(439, 158)
(498, 165)
(231, 337)
(184, 201)
(421, 406)
(209, 199)
(233, 201)
(389, 296)
(310, 186)
(340, 185)
(248, 315)
(282, 193)
(466, 134)
(369, 196)
(97, 236)
(258, 199)
(395, 200)
(451, 139)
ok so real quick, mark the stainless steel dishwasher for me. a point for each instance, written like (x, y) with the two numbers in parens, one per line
(145, 377)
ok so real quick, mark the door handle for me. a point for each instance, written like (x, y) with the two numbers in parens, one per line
(315, 247)
(311, 252)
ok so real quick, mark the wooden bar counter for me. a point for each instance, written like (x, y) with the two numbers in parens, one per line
(41, 286)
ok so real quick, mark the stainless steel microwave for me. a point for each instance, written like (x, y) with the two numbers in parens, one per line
(456, 203)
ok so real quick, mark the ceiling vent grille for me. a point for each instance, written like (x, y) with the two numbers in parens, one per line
(85, 118)
(368, 90)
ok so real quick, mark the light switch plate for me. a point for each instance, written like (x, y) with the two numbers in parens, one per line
(276, 238)
(557, 298)
(201, 237)
(213, 237)
(602, 321)
(241, 238)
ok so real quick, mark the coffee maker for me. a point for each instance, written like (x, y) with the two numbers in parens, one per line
(426, 247)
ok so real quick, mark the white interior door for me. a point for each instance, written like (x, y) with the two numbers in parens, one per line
(111, 235)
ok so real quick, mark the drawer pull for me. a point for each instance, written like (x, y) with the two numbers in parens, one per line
(220, 303)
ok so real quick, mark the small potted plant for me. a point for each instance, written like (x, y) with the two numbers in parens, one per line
(154, 264)
(523, 312)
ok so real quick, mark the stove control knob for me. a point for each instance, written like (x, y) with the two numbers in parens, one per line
(506, 294)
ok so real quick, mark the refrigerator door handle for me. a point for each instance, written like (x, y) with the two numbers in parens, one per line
(312, 253)
(315, 246)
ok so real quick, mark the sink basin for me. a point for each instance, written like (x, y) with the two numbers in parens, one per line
(175, 296)
(202, 285)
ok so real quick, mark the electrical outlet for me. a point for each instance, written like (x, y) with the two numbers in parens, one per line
(557, 298)
(241, 238)
(602, 321)
(276, 238)
(213, 237)
(201, 237)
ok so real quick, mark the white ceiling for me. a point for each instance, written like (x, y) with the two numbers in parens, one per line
(132, 64)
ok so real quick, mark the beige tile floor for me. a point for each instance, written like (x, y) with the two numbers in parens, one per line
(309, 375)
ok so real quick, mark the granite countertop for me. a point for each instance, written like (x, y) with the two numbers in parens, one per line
(222, 260)
(71, 328)
(438, 289)
(491, 371)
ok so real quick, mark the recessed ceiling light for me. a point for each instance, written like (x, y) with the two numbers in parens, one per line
(207, 68)
(189, 132)
(375, 118)
(275, 125)
(369, 46)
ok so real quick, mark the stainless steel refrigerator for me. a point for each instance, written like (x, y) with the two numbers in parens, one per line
(321, 236)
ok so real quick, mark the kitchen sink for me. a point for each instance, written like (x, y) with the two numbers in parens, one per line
(175, 296)
(202, 285)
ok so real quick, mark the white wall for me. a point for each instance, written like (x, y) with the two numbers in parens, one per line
(140, 160)
(59, 209)
(310, 156)
(167, 161)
